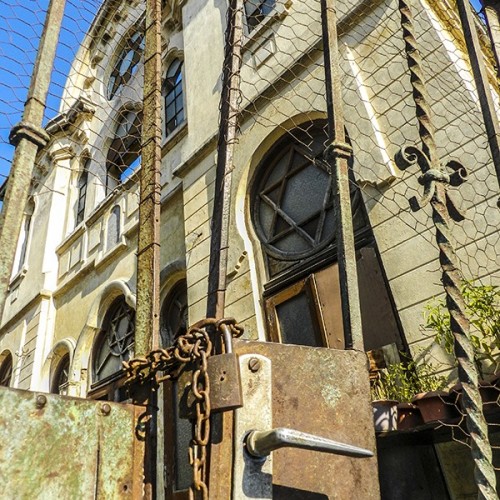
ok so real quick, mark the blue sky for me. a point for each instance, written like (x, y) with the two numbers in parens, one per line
(21, 24)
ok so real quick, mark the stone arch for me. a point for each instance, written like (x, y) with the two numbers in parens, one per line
(83, 349)
(6, 358)
(242, 216)
(51, 363)
(171, 276)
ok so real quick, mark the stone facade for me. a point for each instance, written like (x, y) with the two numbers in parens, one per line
(72, 272)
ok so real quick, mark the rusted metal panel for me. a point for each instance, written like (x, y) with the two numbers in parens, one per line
(60, 447)
(323, 392)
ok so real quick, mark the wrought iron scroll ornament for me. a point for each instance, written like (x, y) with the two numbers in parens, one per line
(411, 155)
(194, 347)
(436, 181)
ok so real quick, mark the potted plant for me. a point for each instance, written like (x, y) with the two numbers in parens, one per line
(483, 310)
(434, 403)
(397, 387)
(383, 403)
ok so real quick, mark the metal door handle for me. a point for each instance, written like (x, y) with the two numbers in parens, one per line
(260, 444)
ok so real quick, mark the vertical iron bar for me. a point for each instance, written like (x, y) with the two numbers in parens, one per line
(147, 327)
(481, 79)
(148, 250)
(28, 136)
(436, 183)
(491, 10)
(220, 453)
(339, 154)
(229, 109)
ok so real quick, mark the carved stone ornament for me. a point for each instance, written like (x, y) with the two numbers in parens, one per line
(81, 110)
(173, 13)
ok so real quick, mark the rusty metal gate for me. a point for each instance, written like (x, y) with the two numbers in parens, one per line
(281, 390)
(60, 447)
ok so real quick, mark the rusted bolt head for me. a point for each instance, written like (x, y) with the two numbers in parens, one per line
(254, 364)
(41, 401)
(105, 409)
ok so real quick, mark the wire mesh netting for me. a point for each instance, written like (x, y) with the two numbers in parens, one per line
(391, 100)
(412, 88)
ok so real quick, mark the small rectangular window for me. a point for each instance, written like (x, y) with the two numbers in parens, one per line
(257, 10)
(82, 195)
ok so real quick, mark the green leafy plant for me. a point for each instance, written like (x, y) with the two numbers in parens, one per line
(402, 381)
(483, 309)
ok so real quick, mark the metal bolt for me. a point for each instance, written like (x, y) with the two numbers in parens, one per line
(41, 401)
(105, 409)
(254, 364)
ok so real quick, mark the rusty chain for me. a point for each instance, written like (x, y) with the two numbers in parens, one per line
(194, 346)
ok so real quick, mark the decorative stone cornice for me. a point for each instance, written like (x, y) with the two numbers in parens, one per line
(81, 110)
(62, 153)
(172, 13)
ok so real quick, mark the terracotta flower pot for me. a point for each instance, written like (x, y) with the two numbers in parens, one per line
(409, 416)
(436, 406)
(385, 415)
(490, 393)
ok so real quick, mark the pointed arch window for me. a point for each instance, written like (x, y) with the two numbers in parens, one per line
(174, 96)
(126, 64)
(6, 365)
(24, 237)
(82, 192)
(113, 228)
(114, 345)
(294, 217)
(60, 379)
(124, 154)
(174, 314)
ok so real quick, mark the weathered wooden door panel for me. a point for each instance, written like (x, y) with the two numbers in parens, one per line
(59, 447)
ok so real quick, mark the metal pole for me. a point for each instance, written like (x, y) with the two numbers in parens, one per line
(436, 180)
(481, 79)
(148, 248)
(222, 425)
(491, 10)
(28, 136)
(339, 153)
(147, 322)
(229, 109)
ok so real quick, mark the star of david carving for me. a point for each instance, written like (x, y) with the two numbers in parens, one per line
(121, 332)
(301, 201)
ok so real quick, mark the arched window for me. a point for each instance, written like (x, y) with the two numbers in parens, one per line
(60, 378)
(113, 228)
(6, 364)
(126, 64)
(173, 317)
(174, 99)
(177, 431)
(82, 192)
(124, 154)
(294, 217)
(114, 345)
(24, 237)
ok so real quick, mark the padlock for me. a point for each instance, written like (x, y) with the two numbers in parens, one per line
(224, 376)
